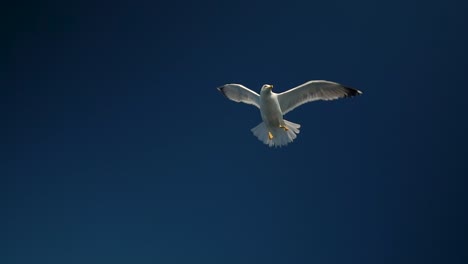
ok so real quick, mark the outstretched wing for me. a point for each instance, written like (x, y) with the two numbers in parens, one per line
(313, 91)
(239, 93)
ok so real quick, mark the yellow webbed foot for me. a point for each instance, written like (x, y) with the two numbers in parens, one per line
(270, 135)
(284, 127)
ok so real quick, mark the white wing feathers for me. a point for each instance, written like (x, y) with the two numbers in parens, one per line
(313, 91)
(239, 93)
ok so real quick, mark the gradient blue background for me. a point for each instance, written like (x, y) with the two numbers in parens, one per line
(117, 148)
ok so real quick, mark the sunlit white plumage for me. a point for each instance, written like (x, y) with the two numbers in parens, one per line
(274, 130)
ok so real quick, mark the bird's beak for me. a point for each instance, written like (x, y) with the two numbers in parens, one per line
(270, 86)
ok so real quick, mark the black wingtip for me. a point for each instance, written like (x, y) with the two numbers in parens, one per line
(350, 92)
(221, 90)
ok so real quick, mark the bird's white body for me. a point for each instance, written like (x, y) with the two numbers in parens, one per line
(270, 109)
(274, 130)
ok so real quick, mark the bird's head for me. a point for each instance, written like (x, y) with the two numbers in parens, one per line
(266, 88)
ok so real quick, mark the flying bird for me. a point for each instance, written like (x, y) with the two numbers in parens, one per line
(274, 130)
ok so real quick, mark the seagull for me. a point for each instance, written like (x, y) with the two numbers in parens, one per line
(274, 130)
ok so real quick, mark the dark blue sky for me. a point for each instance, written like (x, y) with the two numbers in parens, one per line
(119, 149)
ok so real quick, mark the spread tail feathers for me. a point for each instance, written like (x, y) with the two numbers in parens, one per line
(280, 136)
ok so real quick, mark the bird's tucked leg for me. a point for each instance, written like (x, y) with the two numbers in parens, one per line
(270, 135)
(284, 127)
